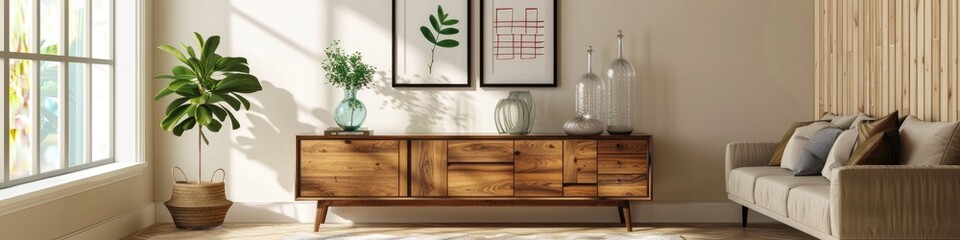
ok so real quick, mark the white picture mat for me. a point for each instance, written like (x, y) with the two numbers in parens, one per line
(538, 71)
(451, 65)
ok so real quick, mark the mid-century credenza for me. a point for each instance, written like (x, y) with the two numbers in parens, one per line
(473, 170)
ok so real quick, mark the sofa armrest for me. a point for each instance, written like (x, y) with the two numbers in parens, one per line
(748, 154)
(899, 202)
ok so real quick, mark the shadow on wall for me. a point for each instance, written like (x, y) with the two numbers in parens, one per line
(274, 101)
(428, 110)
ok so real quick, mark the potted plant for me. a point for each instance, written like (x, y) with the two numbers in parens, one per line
(207, 88)
(350, 73)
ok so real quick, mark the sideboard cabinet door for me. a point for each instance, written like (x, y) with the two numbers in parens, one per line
(580, 161)
(539, 168)
(349, 168)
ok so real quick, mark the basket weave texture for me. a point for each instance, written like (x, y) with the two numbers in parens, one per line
(198, 206)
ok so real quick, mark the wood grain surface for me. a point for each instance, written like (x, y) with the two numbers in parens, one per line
(335, 168)
(622, 185)
(539, 168)
(428, 172)
(622, 164)
(480, 151)
(622, 147)
(580, 161)
(478, 180)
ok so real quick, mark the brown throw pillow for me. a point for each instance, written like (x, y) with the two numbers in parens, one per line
(778, 154)
(880, 149)
(868, 129)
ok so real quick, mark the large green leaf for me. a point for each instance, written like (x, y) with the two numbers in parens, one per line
(163, 93)
(449, 31)
(214, 126)
(173, 117)
(448, 43)
(189, 49)
(233, 121)
(440, 13)
(186, 124)
(434, 23)
(177, 84)
(204, 116)
(188, 90)
(199, 38)
(428, 35)
(175, 104)
(232, 101)
(180, 70)
(173, 51)
(450, 22)
(209, 48)
(243, 100)
(238, 82)
(217, 111)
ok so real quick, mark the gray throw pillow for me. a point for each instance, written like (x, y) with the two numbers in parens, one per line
(814, 154)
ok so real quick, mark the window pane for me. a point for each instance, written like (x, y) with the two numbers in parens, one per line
(50, 116)
(100, 113)
(51, 26)
(76, 116)
(21, 164)
(22, 25)
(101, 29)
(78, 28)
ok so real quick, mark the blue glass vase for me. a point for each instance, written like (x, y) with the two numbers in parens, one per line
(351, 112)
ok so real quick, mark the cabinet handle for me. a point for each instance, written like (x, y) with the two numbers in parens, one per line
(619, 164)
(619, 146)
(619, 182)
(516, 153)
(347, 141)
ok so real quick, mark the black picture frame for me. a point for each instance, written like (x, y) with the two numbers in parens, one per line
(468, 21)
(484, 54)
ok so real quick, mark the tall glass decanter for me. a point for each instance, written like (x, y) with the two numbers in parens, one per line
(621, 77)
(589, 92)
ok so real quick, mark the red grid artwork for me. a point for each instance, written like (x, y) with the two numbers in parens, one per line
(513, 38)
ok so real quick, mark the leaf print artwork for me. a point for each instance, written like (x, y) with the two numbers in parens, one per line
(443, 27)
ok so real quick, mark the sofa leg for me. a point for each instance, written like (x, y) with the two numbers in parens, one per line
(743, 215)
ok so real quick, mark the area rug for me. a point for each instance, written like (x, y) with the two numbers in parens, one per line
(501, 236)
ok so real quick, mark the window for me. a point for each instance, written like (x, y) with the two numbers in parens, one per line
(58, 65)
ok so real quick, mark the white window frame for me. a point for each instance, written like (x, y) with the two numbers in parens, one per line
(130, 143)
(65, 60)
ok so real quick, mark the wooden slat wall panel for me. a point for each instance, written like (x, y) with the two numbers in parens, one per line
(879, 56)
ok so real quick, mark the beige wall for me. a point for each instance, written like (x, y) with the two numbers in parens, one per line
(711, 72)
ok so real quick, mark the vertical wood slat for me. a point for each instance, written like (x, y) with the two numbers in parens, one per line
(880, 56)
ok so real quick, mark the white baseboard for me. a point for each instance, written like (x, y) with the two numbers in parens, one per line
(643, 212)
(120, 226)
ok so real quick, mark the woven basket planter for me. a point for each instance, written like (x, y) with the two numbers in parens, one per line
(198, 206)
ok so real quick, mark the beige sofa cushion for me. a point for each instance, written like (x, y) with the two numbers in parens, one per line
(929, 143)
(840, 152)
(842, 122)
(810, 205)
(742, 180)
(799, 139)
(771, 192)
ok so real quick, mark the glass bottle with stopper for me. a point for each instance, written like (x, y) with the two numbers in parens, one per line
(589, 91)
(620, 78)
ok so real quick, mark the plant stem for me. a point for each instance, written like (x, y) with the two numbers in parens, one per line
(432, 53)
(199, 154)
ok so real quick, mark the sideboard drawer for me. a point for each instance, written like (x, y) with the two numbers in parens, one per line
(480, 151)
(335, 168)
(580, 191)
(480, 180)
(622, 164)
(622, 185)
(622, 147)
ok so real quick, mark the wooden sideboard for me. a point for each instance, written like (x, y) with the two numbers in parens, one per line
(473, 170)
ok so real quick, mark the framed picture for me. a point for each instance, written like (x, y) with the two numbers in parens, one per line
(518, 43)
(431, 43)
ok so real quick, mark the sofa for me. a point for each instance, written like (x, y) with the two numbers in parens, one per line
(858, 202)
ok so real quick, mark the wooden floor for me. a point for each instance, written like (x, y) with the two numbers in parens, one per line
(279, 231)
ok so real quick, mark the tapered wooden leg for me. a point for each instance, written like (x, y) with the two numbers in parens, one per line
(321, 215)
(743, 215)
(626, 216)
(620, 212)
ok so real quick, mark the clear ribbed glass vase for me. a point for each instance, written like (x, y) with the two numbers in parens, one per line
(589, 92)
(620, 76)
